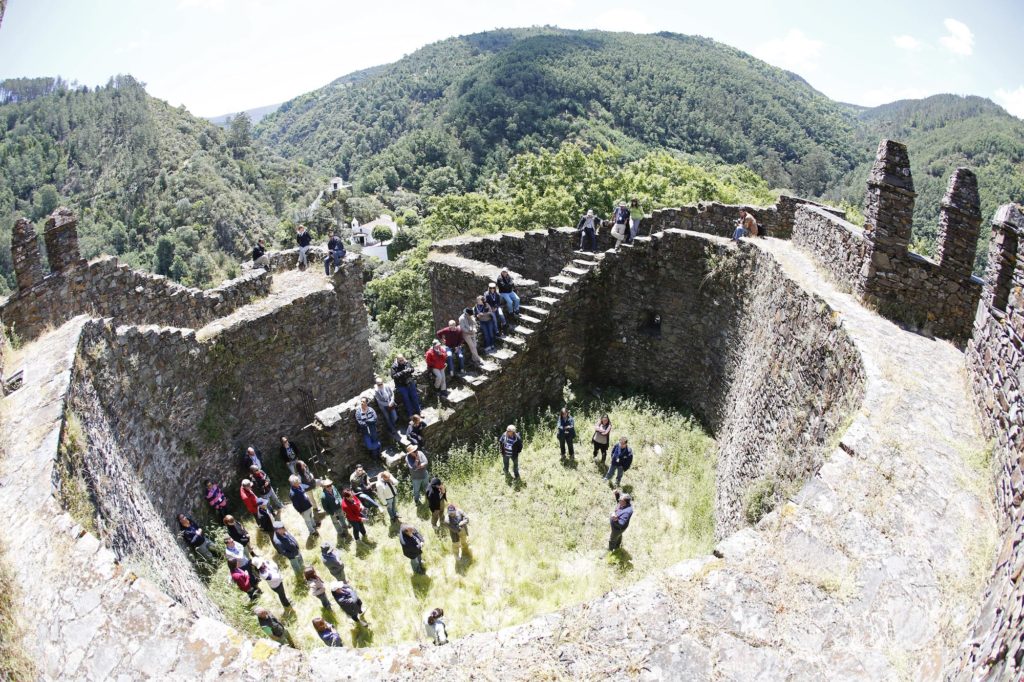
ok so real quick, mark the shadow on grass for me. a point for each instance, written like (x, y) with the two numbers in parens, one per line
(516, 484)
(362, 636)
(394, 528)
(621, 560)
(364, 548)
(569, 463)
(463, 563)
(312, 541)
(423, 512)
(421, 584)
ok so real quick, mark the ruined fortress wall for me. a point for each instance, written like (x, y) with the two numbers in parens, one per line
(837, 245)
(765, 365)
(165, 408)
(536, 255)
(995, 360)
(713, 217)
(106, 288)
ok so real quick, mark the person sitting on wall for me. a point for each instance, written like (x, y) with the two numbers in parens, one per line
(437, 362)
(746, 226)
(403, 374)
(359, 481)
(366, 418)
(488, 324)
(260, 259)
(416, 431)
(451, 337)
(493, 301)
(335, 254)
(587, 228)
(303, 238)
(507, 291)
(469, 327)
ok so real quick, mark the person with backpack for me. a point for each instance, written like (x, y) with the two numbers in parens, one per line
(622, 459)
(566, 432)
(587, 229)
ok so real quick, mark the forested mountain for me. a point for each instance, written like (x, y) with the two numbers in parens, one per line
(451, 114)
(943, 132)
(161, 188)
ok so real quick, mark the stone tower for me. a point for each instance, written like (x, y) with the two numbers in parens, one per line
(959, 222)
(888, 217)
(1003, 277)
(61, 237)
(28, 268)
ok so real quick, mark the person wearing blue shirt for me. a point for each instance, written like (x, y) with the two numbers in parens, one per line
(622, 459)
(620, 517)
(302, 503)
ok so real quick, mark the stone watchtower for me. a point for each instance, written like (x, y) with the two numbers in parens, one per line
(888, 218)
(61, 236)
(28, 268)
(959, 222)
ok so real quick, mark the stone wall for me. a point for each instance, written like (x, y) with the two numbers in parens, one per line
(933, 298)
(995, 360)
(766, 366)
(455, 282)
(106, 288)
(720, 219)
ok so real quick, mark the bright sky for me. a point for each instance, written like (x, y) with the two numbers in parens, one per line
(223, 56)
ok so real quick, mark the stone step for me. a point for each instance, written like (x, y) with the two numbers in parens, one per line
(545, 301)
(563, 280)
(515, 341)
(554, 291)
(572, 270)
(527, 319)
(535, 310)
(583, 266)
(503, 355)
(586, 255)
(524, 331)
(458, 394)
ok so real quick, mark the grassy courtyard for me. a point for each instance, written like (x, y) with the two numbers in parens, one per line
(537, 545)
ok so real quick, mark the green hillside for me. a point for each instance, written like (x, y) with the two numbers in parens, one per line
(153, 184)
(943, 132)
(453, 113)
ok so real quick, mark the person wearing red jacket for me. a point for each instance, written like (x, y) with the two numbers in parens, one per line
(353, 510)
(451, 337)
(244, 581)
(249, 498)
(437, 362)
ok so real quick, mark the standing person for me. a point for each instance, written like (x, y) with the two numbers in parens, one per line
(273, 628)
(416, 463)
(619, 520)
(215, 498)
(437, 496)
(359, 481)
(335, 254)
(436, 628)
(332, 560)
(349, 602)
(566, 433)
(412, 547)
(264, 517)
(507, 291)
(262, 486)
(510, 444)
(366, 418)
(289, 454)
(193, 536)
(331, 500)
(243, 579)
(272, 577)
(326, 632)
(233, 550)
(636, 214)
(236, 531)
(354, 514)
(249, 498)
(493, 301)
(260, 259)
(621, 220)
(316, 586)
(308, 480)
(622, 459)
(303, 238)
(602, 436)
(386, 487)
(488, 325)
(302, 503)
(437, 361)
(385, 398)
(469, 327)
(587, 228)
(287, 546)
(451, 337)
(252, 456)
(402, 373)
(458, 529)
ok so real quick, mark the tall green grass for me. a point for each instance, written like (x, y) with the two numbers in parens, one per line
(537, 545)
